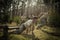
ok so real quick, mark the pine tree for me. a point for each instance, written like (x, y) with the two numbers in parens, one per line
(4, 10)
(54, 15)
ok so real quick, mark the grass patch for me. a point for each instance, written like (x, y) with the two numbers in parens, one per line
(18, 37)
(1, 34)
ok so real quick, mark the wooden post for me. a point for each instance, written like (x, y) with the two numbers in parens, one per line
(5, 32)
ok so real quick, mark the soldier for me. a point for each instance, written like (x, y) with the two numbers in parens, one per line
(43, 20)
(27, 25)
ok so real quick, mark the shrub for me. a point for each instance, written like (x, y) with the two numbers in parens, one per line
(16, 19)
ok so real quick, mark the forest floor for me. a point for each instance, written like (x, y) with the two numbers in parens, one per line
(43, 33)
(46, 33)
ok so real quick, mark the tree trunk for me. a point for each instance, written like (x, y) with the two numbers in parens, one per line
(54, 15)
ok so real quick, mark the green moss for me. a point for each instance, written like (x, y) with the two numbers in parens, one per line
(1, 34)
(18, 37)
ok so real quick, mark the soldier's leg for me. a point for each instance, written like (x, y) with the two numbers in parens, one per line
(26, 30)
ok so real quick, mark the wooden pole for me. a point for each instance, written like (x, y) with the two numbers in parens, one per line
(5, 32)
